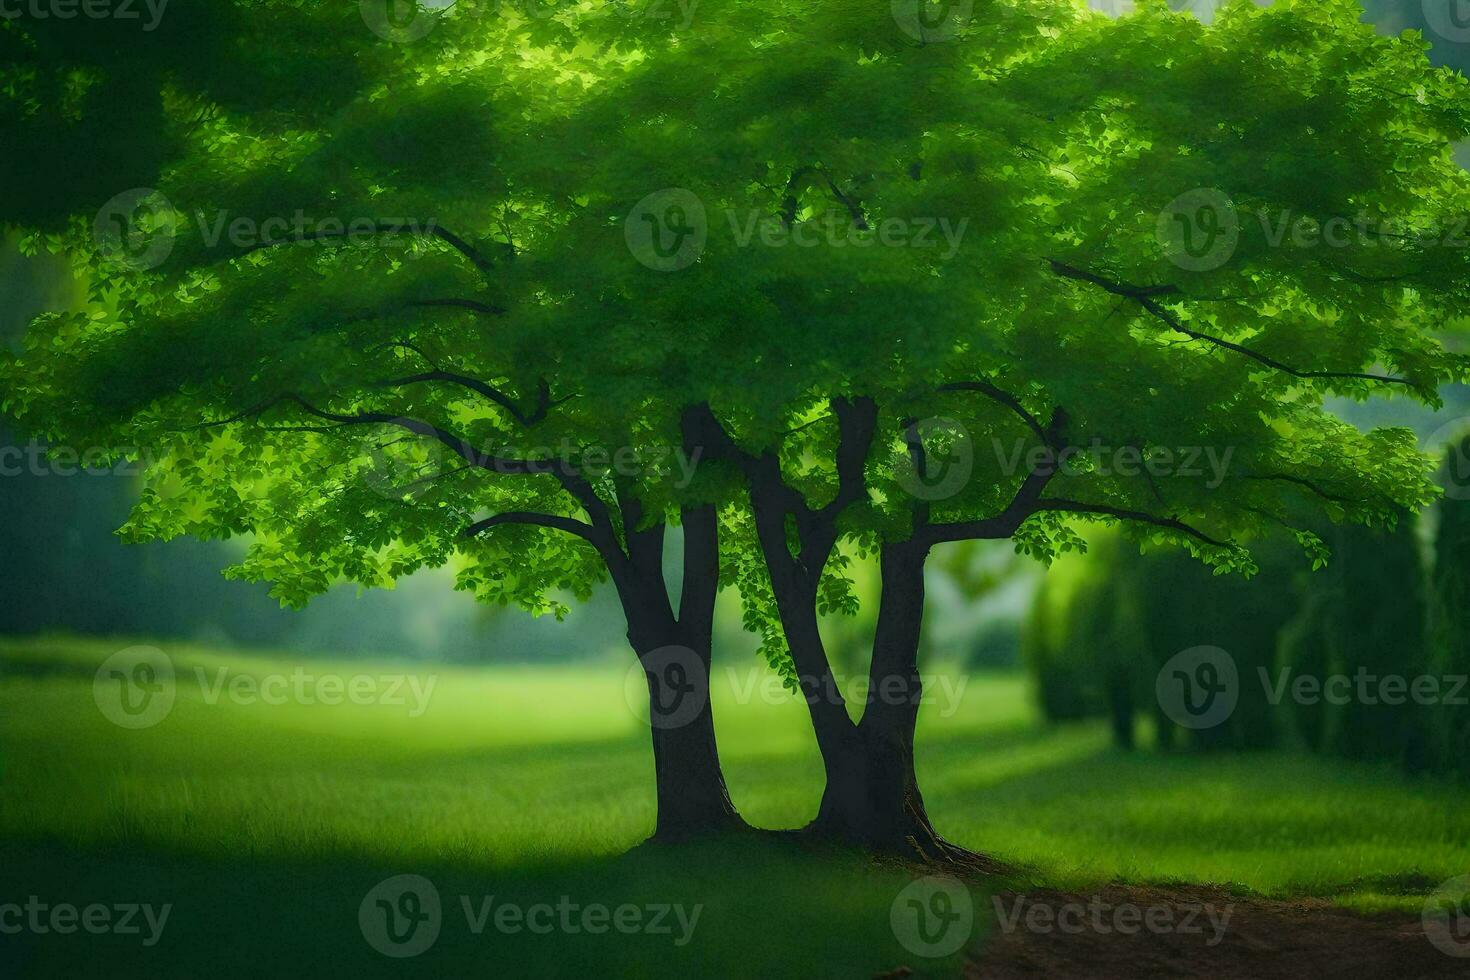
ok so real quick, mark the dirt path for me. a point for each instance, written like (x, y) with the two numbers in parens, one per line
(1202, 933)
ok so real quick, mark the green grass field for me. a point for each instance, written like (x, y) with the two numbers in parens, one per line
(264, 825)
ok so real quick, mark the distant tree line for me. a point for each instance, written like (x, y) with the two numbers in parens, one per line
(1391, 603)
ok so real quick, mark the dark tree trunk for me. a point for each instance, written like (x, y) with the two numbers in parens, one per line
(693, 800)
(872, 799)
(1120, 705)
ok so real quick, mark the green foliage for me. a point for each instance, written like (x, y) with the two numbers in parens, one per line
(1450, 598)
(1306, 648)
(511, 153)
(1101, 631)
(1377, 618)
(1057, 649)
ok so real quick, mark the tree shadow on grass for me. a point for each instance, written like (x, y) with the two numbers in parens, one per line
(752, 907)
(251, 904)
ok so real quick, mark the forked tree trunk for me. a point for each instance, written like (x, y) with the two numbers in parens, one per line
(872, 798)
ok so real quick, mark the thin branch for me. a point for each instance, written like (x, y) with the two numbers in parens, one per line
(461, 447)
(1302, 482)
(567, 524)
(919, 460)
(999, 526)
(485, 461)
(240, 416)
(386, 228)
(807, 425)
(466, 304)
(475, 384)
(405, 345)
(789, 203)
(1104, 510)
(1145, 296)
(1005, 398)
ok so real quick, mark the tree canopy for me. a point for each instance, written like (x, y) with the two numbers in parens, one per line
(370, 293)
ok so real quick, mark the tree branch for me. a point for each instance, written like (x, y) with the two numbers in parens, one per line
(1104, 510)
(489, 391)
(1145, 296)
(386, 228)
(789, 203)
(466, 304)
(458, 445)
(567, 524)
(998, 527)
(1302, 482)
(1005, 398)
(857, 421)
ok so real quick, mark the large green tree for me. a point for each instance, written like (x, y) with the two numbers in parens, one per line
(322, 323)
(1183, 239)
(819, 247)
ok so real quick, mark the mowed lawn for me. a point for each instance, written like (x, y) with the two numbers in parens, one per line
(265, 825)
